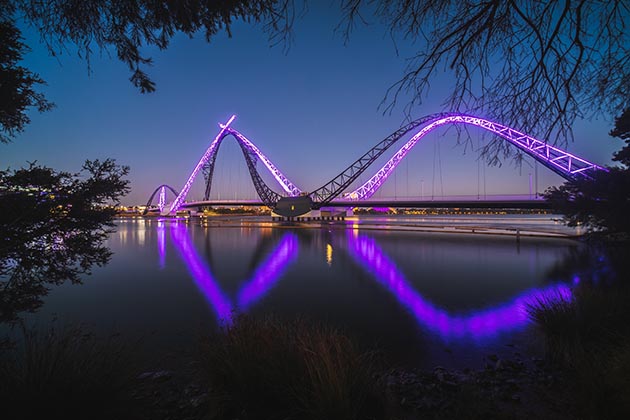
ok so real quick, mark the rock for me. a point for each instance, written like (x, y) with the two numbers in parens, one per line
(199, 400)
(162, 374)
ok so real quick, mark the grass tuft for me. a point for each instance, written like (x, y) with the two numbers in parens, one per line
(271, 369)
(589, 336)
(67, 373)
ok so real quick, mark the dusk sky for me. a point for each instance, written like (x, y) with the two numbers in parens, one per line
(312, 110)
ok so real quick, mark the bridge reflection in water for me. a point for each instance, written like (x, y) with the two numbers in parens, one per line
(261, 282)
(476, 325)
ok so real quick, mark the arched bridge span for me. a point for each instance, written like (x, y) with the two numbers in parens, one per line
(252, 155)
(563, 163)
(559, 161)
(162, 198)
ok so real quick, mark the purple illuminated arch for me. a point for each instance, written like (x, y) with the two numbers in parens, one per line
(563, 163)
(476, 325)
(204, 158)
(288, 187)
(161, 190)
(162, 199)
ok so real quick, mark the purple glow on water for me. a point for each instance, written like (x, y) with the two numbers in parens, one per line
(477, 324)
(264, 278)
(201, 272)
(269, 272)
(567, 163)
(161, 242)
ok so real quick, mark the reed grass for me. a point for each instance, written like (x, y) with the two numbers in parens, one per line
(68, 373)
(589, 337)
(271, 369)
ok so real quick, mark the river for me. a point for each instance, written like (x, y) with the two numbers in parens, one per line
(424, 297)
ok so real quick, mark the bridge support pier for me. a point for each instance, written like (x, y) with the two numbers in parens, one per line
(329, 214)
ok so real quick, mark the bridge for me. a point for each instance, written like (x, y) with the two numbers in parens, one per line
(504, 202)
(294, 202)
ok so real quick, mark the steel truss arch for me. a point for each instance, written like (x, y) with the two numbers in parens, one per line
(563, 163)
(160, 188)
(252, 155)
(329, 191)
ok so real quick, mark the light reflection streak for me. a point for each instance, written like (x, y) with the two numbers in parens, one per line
(269, 272)
(161, 240)
(329, 254)
(477, 324)
(201, 273)
(263, 279)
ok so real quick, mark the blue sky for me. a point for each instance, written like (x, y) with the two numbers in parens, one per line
(311, 110)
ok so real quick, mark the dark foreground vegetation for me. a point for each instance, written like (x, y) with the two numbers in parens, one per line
(268, 368)
(588, 339)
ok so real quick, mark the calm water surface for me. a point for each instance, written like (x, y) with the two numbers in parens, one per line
(425, 298)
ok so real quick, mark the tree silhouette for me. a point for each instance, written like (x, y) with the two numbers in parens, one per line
(601, 204)
(53, 226)
(535, 65)
(17, 84)
(120, 25)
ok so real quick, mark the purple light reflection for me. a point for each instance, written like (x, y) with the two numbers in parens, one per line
(269, 272)
(201, 273)
(262, 281)
(477, 325)
(161, 242)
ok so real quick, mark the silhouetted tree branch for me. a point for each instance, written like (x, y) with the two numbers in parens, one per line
(602, 204)
(53, 226)
(121, 26)
(17, 84)
(534, 65)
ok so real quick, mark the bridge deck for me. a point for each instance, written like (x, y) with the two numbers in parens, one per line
(473, 204)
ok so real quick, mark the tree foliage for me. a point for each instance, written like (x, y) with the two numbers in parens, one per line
(53, 226)
(622, 131)
(17, 84)
(602, 204)
(121, 27)
(533, 65)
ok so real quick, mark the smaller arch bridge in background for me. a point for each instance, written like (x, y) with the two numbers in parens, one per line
(162, 197)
